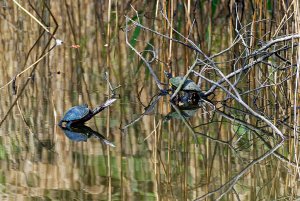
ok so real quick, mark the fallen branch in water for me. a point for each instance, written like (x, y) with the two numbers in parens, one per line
(268, 64)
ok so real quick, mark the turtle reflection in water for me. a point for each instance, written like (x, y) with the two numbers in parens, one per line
(187, 113)
(82, 133)
(79, 114)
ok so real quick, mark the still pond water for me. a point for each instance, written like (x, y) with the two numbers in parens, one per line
(153, 159)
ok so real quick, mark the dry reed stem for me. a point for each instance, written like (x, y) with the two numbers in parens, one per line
(154, 130)
(58, 42)
(296, 90)
(26, 69)
(34, 18)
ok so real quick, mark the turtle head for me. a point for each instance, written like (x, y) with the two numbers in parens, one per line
(60, 124)
(168, 75)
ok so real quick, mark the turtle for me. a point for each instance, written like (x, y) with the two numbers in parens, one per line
(82, 133)
(81, 113)
(190, 93)
(188, 85)
(188, 99)
(184, 113)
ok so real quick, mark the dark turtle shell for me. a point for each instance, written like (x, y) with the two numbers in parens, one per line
(76, 113)
(75, 136)
(189, 85)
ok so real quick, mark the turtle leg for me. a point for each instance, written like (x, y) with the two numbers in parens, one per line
(168, 75)
(60, 123)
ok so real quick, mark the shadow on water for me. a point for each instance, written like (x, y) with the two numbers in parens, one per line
(207, 107)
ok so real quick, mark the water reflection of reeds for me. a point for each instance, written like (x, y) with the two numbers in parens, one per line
(38, 161)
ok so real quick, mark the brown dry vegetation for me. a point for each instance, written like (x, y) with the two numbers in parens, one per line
(248, 143)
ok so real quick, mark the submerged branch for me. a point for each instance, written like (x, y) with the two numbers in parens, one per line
(230, 184)
(148, 109)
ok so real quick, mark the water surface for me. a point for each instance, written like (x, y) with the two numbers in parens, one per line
(153, 159)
